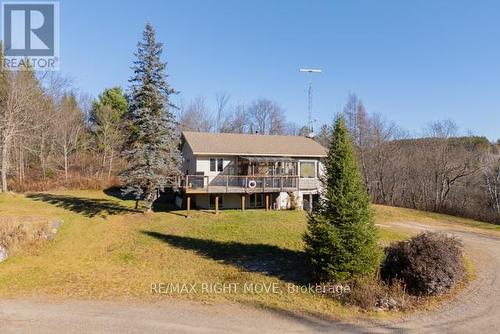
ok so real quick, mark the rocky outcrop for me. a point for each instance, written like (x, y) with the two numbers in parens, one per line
(15, 232)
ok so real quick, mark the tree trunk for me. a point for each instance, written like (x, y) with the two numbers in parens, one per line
(5, 165)
(110, 164)
(65, 162)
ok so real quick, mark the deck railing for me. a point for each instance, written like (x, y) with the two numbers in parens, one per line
(239, 183)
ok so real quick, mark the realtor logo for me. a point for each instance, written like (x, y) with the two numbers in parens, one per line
(31, 35)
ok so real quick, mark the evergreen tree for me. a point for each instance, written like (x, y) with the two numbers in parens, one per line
(113, 98)
(107, 117)
(152, 149)
(341, 238)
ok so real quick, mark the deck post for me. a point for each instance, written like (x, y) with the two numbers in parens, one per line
(267, 201)
(217, 204)
(242, 202)
(188, 206)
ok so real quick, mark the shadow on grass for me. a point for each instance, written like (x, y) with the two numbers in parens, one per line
(165, 203)
(285, 264)
(89, 207)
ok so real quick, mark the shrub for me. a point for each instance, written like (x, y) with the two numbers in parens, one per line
(370, 293)
(429, 264)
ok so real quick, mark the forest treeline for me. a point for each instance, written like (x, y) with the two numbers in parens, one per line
(52, 136)
(440, 171)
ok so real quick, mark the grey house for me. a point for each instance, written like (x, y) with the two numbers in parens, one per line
(238, 171)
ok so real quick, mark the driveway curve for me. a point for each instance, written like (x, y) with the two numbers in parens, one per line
(476, 309)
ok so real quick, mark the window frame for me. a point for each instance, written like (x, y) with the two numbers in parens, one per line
(314, 170)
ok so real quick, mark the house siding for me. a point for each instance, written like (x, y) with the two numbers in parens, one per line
(203, 166)
(199, 164)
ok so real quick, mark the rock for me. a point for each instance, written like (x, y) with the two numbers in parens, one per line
(52, 228)
(392, 304)
(387, 304)
(3, 253)
(55, 224)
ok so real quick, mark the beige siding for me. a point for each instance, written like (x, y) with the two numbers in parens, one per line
(188, 161)
(203, 165)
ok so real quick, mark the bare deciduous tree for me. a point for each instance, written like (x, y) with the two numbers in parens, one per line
(267, 117)
(21, 95)
(221, 100)
(237, 121)
(196, 117)
(69, 129)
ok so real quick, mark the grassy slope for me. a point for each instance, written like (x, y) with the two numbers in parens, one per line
(387, 214)
(106, 251)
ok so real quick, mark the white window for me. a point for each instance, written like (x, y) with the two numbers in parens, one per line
(307, 169)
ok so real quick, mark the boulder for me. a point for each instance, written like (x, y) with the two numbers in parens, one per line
(3, 253)
(52, 228)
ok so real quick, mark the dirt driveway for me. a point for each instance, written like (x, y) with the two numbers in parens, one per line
(475, 310)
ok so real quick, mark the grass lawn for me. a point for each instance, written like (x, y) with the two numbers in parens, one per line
(106, 250)
(387, 214)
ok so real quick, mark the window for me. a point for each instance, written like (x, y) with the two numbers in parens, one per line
(216, 165)
(307, 169)
(255, 201)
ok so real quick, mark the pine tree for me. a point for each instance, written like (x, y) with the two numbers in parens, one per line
(152, 149)
(341, 238)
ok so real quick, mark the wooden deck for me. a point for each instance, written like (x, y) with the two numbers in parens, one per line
(238, 184)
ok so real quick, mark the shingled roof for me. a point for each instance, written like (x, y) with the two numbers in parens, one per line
(203, 143)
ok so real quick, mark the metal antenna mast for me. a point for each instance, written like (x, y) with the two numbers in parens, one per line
(310, 96)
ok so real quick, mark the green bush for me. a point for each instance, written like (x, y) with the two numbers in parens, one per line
(430, 263)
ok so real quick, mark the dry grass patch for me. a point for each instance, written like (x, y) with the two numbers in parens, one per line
(388, 214)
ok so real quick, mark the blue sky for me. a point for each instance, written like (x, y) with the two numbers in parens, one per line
(412, 61)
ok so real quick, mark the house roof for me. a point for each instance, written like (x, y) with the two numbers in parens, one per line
(203, 143)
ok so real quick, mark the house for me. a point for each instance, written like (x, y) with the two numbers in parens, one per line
(238, 171)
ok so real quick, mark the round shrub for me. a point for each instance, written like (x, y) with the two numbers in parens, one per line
(429, 264)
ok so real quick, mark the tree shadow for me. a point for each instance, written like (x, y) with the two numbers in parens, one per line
(89, 207)
(116, 192)
(288, 265)
(165, 203)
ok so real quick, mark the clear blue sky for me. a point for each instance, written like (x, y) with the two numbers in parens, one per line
(412, 61)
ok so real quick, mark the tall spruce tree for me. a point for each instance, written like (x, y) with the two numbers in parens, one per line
(341, 238)
(152, 148)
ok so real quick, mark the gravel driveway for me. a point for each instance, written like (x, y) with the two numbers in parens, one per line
(475, 310)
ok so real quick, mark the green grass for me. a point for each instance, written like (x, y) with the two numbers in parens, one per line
(106, 250)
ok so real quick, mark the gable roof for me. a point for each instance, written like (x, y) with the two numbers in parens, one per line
(203, 143)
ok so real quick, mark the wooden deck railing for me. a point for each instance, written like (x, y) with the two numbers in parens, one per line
(239, 183)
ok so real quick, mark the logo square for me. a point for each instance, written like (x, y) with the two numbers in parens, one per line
(30, 32)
